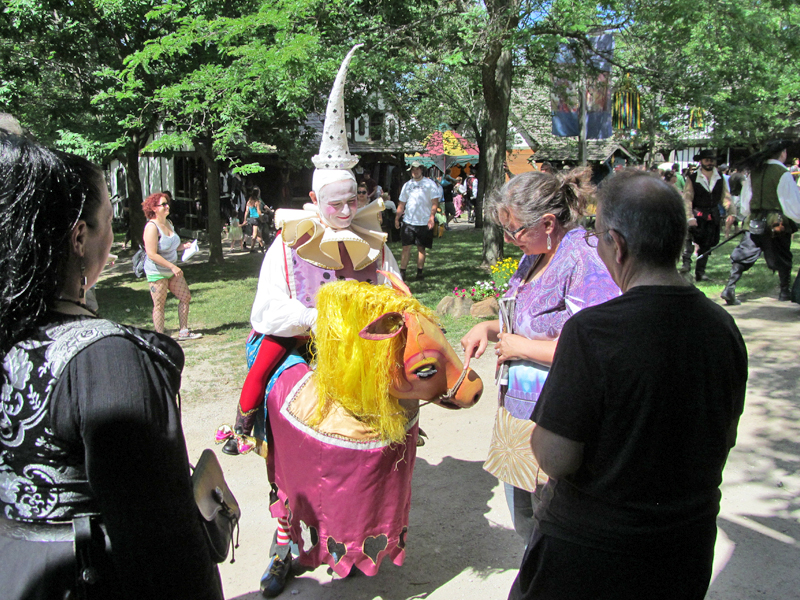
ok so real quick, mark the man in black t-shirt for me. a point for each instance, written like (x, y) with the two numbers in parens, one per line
(631, 427)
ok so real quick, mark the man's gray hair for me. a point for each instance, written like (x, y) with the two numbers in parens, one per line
(10, 124)
(648, 212)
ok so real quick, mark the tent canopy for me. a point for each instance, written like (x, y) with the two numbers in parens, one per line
(445, 148)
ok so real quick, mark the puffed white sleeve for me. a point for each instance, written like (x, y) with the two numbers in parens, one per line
(274, 311)
(789, 197)
(744, 198)
(388, 264)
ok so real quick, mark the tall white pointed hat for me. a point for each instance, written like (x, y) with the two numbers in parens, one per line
(334, 161)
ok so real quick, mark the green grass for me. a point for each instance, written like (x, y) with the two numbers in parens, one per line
(221, 300)
(758, 282)
(222, 295)
(453, 261)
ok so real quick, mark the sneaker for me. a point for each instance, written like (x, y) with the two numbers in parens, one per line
(185, 335)
(273, 581)
(701, 277)
(784, 295)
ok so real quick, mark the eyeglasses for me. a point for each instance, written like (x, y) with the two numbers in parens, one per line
(360, 193)
(593, 237)
(512, 235)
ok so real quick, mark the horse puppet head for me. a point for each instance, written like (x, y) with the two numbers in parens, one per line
(379, 352)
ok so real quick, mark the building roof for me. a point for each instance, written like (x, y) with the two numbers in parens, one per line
(531, 112)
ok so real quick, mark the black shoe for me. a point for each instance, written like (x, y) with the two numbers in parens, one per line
(701, 277)
(420, 275)
(421, 438)
(729, 295)
(785, 295)
(273, 581)
(231, 446)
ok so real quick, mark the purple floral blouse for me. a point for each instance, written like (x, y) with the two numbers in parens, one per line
(574, 279)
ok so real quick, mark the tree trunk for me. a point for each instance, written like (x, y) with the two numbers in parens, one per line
(496, 73)
(653, 107)
(481, 174)
(136, 218)
(204, 148)
(582, 116)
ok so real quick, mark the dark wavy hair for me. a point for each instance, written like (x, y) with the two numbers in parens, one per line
(43, 194)
(758, 161)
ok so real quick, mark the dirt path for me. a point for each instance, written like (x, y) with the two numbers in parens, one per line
(461, 544)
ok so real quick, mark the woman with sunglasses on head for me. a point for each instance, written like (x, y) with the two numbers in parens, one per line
(559, 274)
(95, 494)
(362, 195)
(162, 243)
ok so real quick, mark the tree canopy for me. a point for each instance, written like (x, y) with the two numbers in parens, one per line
(236, 78)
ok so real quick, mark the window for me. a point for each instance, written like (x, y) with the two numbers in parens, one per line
(376, 126)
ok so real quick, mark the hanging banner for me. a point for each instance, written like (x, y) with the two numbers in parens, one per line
(627, 110)
(566, 94)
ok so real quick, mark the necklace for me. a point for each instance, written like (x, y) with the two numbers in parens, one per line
(78, 304)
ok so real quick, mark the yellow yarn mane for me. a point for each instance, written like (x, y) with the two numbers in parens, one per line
(354, 372)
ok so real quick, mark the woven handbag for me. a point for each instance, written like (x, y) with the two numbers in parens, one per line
(510, 456)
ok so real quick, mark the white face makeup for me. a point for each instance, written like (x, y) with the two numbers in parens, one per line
(337, 203)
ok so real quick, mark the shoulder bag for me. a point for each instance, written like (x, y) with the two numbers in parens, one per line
(218, 508)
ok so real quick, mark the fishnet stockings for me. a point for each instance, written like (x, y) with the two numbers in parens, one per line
(158, 291)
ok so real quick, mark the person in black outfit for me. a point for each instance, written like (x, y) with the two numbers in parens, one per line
(769, 194)
(92, 449)
(633, 429)
(705, 191)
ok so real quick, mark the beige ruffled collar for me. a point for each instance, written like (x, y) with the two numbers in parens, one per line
(363, 240)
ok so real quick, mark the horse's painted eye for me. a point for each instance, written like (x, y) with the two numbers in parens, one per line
(425, 372)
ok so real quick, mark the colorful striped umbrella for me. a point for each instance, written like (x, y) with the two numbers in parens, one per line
(445, 148)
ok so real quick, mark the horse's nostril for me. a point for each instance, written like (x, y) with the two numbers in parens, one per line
(476, 397)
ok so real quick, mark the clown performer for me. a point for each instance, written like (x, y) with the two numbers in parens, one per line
(328, 240)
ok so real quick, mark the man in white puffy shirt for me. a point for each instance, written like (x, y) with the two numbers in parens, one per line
(418, 202)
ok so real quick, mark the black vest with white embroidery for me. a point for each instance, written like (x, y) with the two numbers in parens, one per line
(43, 478)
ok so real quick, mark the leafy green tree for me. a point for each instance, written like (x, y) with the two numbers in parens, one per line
(250, 75)
(59, 62)
(467, 53)
(731, 59)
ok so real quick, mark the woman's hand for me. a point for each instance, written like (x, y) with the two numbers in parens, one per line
(517, 347)
(176, 270)
(475, 341)
(510, 347)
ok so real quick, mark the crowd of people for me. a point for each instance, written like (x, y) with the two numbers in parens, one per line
(616, 497)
